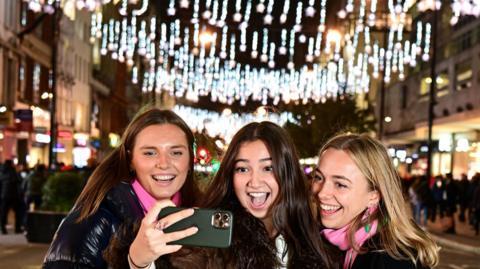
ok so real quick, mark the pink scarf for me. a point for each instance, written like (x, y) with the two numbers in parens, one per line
(339, 238)
(148, 201)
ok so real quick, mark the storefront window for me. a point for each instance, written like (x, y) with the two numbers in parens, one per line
(463, 75)
(442, 84)
(425, 86)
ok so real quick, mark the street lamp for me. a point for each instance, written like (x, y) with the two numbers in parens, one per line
(52, 155)
(434, 6)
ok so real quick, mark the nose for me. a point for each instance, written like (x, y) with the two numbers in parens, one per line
(255, 179)
(322, 190)
(163, 160)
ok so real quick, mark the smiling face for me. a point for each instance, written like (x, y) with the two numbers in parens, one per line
(161, 159)
(254, 181)
(341, 189)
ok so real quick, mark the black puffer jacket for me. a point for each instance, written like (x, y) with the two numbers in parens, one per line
(81, 245)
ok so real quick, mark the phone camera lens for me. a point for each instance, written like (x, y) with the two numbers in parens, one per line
(226, 218)
(218, 216)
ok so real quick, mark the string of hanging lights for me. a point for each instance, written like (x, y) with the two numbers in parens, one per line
(235, 51)
(226, 124)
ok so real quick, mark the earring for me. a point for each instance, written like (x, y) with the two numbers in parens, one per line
(366, 217)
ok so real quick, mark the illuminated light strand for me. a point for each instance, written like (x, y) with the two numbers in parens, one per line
(254, 52)
(310, 10)
(286, 8)
(142, 9)
(196, 10)
(323, 14)
(213, 19)
(268, 17)
(238, 11)
(298, 18)
(264, 57)
(223, 15)
(426, 48)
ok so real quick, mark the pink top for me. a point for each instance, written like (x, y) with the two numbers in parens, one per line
(148, 201)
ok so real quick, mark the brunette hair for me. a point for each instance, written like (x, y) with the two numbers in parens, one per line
(399, 235)
(116, 166)
(291, 213)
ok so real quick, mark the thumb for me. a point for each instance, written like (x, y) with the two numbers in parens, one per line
(152, 214)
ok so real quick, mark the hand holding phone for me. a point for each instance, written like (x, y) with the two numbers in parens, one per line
(151, 242)
(214, 227)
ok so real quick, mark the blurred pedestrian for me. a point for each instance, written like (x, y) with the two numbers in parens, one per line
(10, 196)
(451, 201)
(34, 185)
(420, 190)
(439, 198)
(464, 198)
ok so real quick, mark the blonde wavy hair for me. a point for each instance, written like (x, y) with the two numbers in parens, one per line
(400, 236)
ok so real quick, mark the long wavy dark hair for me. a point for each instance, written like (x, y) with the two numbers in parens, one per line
(291, 212)
(116, 166)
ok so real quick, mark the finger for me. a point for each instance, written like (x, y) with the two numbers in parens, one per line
(175, 217)
(167, 249)
(174, 236)
(152, 214)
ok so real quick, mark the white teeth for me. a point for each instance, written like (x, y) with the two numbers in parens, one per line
(257, 194)
(164, 177)
(329, 207)
(258, 198)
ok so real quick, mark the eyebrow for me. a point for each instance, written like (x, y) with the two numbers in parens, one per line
(334, 176)
(261, 160)
(172, 147)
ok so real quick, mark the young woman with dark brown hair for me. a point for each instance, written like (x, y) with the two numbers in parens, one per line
(153, 162)
(260, 180)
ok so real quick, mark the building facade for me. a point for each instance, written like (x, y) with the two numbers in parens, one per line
(26, 41)
(456, 124)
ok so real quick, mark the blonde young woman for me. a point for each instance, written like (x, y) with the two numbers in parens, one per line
(361, 205)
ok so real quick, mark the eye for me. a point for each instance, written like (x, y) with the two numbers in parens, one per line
(149, 153)
(340, 185)
(317, 177)
(241, 169)
(177, 153)
(268, 168)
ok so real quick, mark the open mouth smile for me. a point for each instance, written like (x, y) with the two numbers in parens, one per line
(258, 199)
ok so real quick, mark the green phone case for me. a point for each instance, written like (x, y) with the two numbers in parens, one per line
(214, 227)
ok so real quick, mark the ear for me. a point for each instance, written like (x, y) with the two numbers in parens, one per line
(373, 198)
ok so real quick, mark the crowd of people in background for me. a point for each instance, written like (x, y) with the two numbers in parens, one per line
(444, 197)
(21, 188)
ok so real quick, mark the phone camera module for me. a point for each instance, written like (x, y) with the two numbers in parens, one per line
(221, 220)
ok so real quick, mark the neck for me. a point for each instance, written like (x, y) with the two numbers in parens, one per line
(268, 223)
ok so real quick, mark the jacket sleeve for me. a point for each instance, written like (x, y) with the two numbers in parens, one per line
(80, 245)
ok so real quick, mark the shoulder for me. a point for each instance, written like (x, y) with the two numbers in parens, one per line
(83, 242)
(381, 259)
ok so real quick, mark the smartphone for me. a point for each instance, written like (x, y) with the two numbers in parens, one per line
(214, 227)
